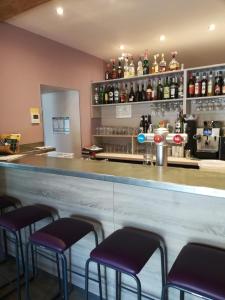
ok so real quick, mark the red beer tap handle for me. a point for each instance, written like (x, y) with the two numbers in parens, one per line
(158, 138)
(178, 139)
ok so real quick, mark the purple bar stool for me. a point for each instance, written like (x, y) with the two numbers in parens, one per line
(57, 237)
(6, 202)
(126, 251)
(13, 222)
(199, 270)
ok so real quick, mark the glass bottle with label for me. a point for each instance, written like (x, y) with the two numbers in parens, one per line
(131, 94)
(123, 93)
(138, 94)
(181, 88)
(106, 95)
(173, 89)
(159, 90)
(143, 93)
(204, 85)
(131, 68)
(191, 86)
(111, 94)
(116, 94)
(179, 124)
(96, 96)
(197, 85)
(140, 68)
(119, 70)
(210, 84)
(218, 84)
(166, 89)
(114, 70)
(101, 95)
(155, 65)
(162, 64)
(174, 64)
(149, 91)
(126, 68)
(146, 63)
(107, 72)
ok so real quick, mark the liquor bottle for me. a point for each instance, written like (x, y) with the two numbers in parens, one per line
(119, 70)
(155, 65)
(149, 89)
(140, 68)
(126, 68)
(131, 68)
(146, 125)
(131, 94)
(191, 86)
(154, 89)
(162, 64)
(181, 88)
(179, 124)
(141, 126)
(204, 85)
(197, 85)
(101, 95)
(106, 95)
(107, 72)
(218, 84)
(173, 89)
(138, 94)
(116, 94)
(111, 94)
(210, 84)
(146, 63)
(96, 96)
(166, 89)
(174, 64)
(143, 93)
(159, 90)
(126, 93)
(223, 89)
(114, 71)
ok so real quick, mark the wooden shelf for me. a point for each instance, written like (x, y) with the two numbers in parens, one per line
(141, 102)
(206, 98)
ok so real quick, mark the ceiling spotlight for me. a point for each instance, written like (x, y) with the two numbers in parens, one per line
(122, 47)
(59, 11)
(212, 27)
(162, 38)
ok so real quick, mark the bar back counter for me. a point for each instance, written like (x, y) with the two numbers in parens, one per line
(182, 205)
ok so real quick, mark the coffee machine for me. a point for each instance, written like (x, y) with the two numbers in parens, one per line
(208, 140)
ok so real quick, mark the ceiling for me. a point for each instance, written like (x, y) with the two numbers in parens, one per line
(99, 27)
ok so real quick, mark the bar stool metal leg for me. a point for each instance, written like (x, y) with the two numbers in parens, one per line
(163, 268)
(181, 295)
(17, 267)
(64, 275)
(27, 288)
(99, 268)
(118, 285)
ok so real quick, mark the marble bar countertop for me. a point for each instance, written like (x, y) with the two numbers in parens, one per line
(166, 178)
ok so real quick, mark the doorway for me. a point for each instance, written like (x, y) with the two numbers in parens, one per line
(61, 119)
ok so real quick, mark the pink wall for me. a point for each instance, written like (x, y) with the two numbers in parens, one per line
(27, 61)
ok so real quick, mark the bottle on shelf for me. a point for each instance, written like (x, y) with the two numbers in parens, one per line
(150, 128)
(223, 88)
(191, 86)
(166, 89)
(126, 68)
(101, 95)
(114, 70)
(179, 124)
(174, 88)
(141, 125)
(143, 93)
(155, 65)
(218, 84)
(131, 68)
(210, 85)
(139, 67)
(96, 96)
(117, 93)
(106, 95)
(146, 125)
(197, 85)
(119, 69)
(111, 94)
(146, 63)
(174, 64)
(162, 64)
(154, 89)
(107, 72)
(181, 88)
(138, 94)
(126, 93)
(204, 85)
(122, 94)
(149, 90)
(131, 94)
(159, 90)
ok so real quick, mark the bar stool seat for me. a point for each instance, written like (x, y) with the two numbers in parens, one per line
(61, 234)
(200, 269)
(6, 201)
(22, 217)
(127, 249)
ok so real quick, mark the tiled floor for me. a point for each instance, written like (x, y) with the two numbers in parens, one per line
(43, 288)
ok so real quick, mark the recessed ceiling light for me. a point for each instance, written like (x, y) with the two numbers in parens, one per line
(59, 11)
(162, 38)
(212, 27)
(122, 47)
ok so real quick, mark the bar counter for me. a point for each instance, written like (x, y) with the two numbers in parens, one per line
(181, 205)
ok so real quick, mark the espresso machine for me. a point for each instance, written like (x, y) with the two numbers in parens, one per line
(208, 140)
(161, 137)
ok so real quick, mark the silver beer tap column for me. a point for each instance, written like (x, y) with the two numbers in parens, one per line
(161, 137)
